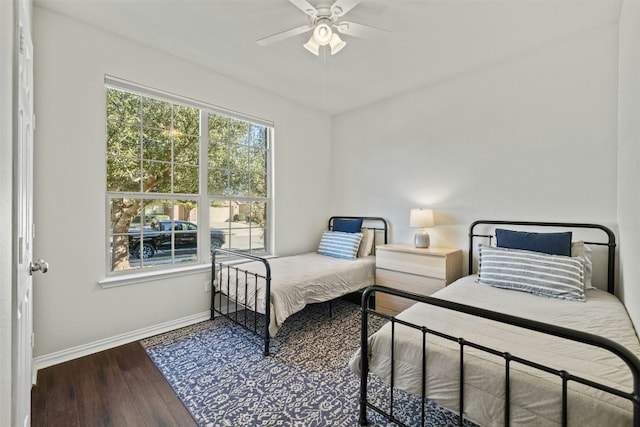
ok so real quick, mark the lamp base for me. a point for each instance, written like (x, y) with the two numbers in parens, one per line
(421, 239)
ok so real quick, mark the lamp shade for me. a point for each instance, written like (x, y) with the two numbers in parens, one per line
(421, 218)
(336, 44)
(312, 46)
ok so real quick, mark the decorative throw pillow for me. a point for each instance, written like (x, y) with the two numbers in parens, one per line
(347, 225)
(338, 244)
(553, 276)
(548, 243)
(366, 244)
(579, 249)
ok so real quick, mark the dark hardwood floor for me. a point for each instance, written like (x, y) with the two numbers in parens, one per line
(117, 387)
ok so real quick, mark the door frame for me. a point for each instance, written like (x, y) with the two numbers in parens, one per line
(7, 260)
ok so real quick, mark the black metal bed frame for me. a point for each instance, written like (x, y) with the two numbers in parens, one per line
(623, 353)
(240, 311)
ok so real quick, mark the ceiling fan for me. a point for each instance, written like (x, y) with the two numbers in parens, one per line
(326, 21)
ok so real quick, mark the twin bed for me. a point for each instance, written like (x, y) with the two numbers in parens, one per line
(260, 294)
(510, 357)
(512, 345)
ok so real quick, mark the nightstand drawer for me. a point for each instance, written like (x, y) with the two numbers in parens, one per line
(408, 282)
(431, 266)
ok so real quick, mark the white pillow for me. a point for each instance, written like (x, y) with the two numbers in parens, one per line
(366, 245)
(579, 249)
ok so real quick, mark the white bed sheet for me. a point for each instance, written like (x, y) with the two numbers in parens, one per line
(535, 396)
(303, 279)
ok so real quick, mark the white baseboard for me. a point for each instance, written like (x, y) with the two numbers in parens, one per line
(51, 359)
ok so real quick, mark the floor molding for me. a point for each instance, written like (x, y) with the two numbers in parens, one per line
(51, 359)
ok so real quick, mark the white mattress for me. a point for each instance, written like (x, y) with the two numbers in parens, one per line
(303, 279)
(535, 396)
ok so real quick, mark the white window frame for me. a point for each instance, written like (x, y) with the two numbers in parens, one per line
(203, 258)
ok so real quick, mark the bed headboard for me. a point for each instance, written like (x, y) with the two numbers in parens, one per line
(603, 237)
(375, 223)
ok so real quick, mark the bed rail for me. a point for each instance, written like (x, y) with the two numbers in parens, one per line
(623, 353)
(243, 311)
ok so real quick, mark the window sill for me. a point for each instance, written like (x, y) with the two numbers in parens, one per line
(148, 276)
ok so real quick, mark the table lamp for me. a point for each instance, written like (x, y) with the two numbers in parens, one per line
(421, 218)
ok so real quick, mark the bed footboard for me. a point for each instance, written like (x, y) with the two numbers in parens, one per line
(565, 377)
(237, 296)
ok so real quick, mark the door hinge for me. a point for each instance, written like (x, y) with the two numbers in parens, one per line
(33, 340)
(21, 41)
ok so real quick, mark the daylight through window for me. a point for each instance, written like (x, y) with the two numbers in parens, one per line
(182, 180)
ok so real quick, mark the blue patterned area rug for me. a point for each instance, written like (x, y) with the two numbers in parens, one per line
(218, 371)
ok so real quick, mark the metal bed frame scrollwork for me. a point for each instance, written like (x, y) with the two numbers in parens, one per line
(247, 313)
(616, 349)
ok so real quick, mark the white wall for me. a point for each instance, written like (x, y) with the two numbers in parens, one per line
(530, 138)
(629, 157)
(71, 309)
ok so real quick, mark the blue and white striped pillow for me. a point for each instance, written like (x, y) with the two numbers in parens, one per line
(554, 276)
(338, 244)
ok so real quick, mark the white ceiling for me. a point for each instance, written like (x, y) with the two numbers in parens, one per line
(428, 41)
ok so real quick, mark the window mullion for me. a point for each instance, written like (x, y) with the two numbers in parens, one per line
(204, 222)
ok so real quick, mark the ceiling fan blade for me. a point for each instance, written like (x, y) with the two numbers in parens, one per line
(306, 7)
(341, 7)
(358, 30)
(284, 35)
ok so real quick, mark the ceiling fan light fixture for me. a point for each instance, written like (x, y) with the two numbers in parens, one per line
(336, 44)
(322, 34)
(312, 46)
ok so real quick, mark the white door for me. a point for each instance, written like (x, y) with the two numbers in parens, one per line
(24, 216)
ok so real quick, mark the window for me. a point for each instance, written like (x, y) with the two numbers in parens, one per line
(182, 179)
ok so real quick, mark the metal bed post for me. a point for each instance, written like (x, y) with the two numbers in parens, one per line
(364, 359)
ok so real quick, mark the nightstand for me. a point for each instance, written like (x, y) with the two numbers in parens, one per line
(417, 270)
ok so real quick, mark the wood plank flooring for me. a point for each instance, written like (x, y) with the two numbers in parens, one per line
(116, 387)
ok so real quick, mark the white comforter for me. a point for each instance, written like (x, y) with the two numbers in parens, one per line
(535, 396)
(300, 280)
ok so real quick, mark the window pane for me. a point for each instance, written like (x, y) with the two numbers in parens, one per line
(258, 185)
(122, 213)
(217, 181)
(123, 106)
(238, 183)
(218, 155)
(186, 149)
(156, 177)
(156, 144)
(123, 139)
(186, 120)
(239, 157)
(156, 113)
(259, 137)
(123, 174)
(258, 160)
(185, 179)
(243, 225)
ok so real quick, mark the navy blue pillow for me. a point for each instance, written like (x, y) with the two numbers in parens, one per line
(347, 225)
(548, 243)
